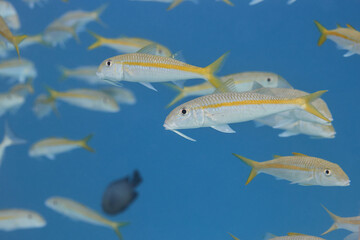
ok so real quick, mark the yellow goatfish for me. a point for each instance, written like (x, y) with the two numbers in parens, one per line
(50, 147)
(292, 236)
(219, 110)
(84, 73)
(346, 38)
(146, 68)
(127, 44)
(173, 3)
(78, 211)
(14, 219)
(6, 33)
(299, 169)
(349, 223)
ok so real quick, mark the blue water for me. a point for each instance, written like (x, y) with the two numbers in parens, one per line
(190, 190)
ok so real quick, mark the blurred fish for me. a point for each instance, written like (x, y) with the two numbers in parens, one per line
(19, 69)
(292, 236)
(299, 169)
(23, 89)
(253, 2)
(346, 38)
(228, 2)
(235, 238)
(147, 68)
(173, 3)
(6, 33)
(83, 73)
(128, 45)
(14, 219)
(55, 35)
(349, 223)
(243, 82)
(43, 106)
(10, 102)
(120, 194)
(121, 95)
(33, 3)
(50, 147)
(77, 211)
(86, 98)
(219, 110)
(9, 140)
(9, 14)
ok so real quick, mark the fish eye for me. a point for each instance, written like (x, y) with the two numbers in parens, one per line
(108, 63)
(184, 111)
(327, 172)
(268, 80)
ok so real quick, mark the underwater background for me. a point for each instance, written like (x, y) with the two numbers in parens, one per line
(189, 190)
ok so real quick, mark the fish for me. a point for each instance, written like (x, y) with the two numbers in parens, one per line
(78, 211)
(254, 2)
(292, 236)
(299, 169)
(55, 35)
(220, 109)
(10, 15)
(349, 223)
(346, 38)
(10, 102)
(83, 73)
(173, 3)
(120, 194)
(23, 89)
(43, 106)
(121, 95)
(50, 147)
(235, 238)
(18, 69)
(147, 68)
(86, 98)
(9, 140)
(6, 33)
(244, 81)
(15, 219)
(228, 2)
(33, 3)
(128, 44)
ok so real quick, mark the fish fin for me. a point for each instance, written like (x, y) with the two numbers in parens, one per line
(174, 4)
(137, 179)
(50, 156)
(53, 94)
(98, 12)
(11, 138)
(277, 156)
(289, 2)
(288, 134)
(285, 123)
(148, 85)
(323, 32)
(84, 143)
(227, 86)
(225, 128)
(252, 164)
(338, 25)
(258, 124)
(299, 154)
(334, 217)
(99, 40)
(269, 236)
(307, 106)
(179, 56)
(352, 236)
(213, 69)
(116, 226)
(256, 85)
(351, 27)
(180, 96)
(296, 234)
(253, 2)
(228, 2)
(29, 85)
(64, 73)
(349, 53)
(179, 83)
(235, 238)
(301, 182)
(149, 49)
(16, 41)
(182, 135)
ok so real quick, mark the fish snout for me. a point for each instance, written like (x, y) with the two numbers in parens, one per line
(100, 74)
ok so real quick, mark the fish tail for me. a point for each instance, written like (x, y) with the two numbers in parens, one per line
(252, 164)
(64, 73)
(98, 12)
(53, 94)
(213, 68)
(116, 227)
(174, 4)
(334, 217)
(180, 96)
(17, 41)
(228, 2)
(235, 238)
(323, 32)
(99, 40)
(29, 85)
(84, 143)
(307, 106)
(136, 178)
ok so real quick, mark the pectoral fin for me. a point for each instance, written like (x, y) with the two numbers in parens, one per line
(288, 134)
(148, 85)
(50, 156)
(349, 54)
(223, 128)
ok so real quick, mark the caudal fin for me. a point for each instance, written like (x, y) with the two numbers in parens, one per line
(84, 143)
(17, 40)
(180, 96)
(307, 106)
(235, 238)
(323, 32)
(99, 40)
(11, 138)
(334, 217)
(64, 73)
(252, 164)
(137, 179)
(98, 12)
(116, 227)
(228, 2)
(174, 4)
(213, 68)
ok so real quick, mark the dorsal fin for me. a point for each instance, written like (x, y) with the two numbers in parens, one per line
(299, 154)
(277, 156)
(338, 25)
(178, 56)
(149, 49)
(296, 234)
(349, 26)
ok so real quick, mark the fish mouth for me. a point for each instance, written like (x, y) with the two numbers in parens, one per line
(100, 75)
(346, 183)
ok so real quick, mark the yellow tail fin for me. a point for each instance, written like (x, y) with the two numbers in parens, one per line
(53, 94)
(252, 164)
(323, 32)
(307, 106)
(64, 73)
(99, 40)
(116, 227)
(334, 217)
(174, 4)
(16, 41)
(84, 143)
(228, 2)
(180, 96)
(235, 238)
(98, 12)
(213, 68)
